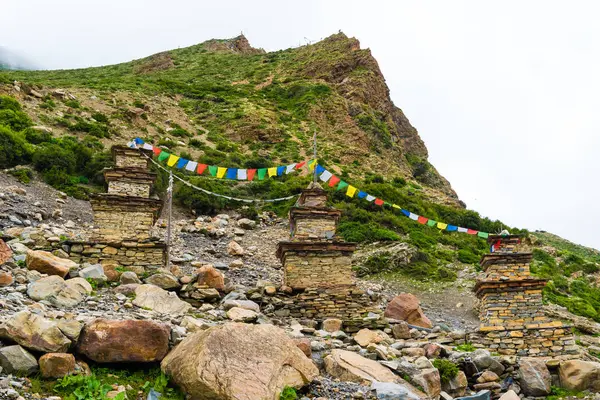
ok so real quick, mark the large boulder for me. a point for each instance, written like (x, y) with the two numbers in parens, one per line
(579, 375)
(17, 360)
(534, 377)
(57, 365)
(406, 307)
(5, 252)
(164, 281)
(429, 380)
(238, 314)
(393, 391)
(238, 361)
(209, 276)
(154, 298)
(349, 366)
(47, 263)
(456, 386)
(124, 341)
(34, 332)
(59, 292)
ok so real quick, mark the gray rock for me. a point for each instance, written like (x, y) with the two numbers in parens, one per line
(95, 272)
(164, 281)
(17, 360)
(128, 277)
(59, 292)
(393, 391)
(482, 359)
(245, 304)
(246, 223)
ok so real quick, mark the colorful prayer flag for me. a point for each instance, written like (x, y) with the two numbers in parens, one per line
(361, 194)
(370, 198)
(379, 202)
(201, 168)
(213, 169)
(311, 164)
(333, 181)
(272, 171)
(251, 173)
(290, 168)
(181, 163)
(412, 216)
(405, 212)
(300, 165)
(261, 173)
(231, 173)
(242, 174)
(280, 170)
(462, 230)
(138, 141)
(163, 156)
(483, 235)
(341, 185)
(147, 146)
(325, 176)
(351, 191)
(422, 220)
(156, 151)
(172, 160)
(431, 223)
(441, 225)
(396, 206)
(191, 166)
(221, 172)
(471, 231)
(320, 169)
(452, 228)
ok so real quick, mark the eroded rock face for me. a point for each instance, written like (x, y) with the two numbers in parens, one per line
(238, 361)
(59, 292)
(580, 375)
(124, 341)
(159, 300)
(57, 365)
(34, 332)
(406, 307)
(47, 263)
(534, 377)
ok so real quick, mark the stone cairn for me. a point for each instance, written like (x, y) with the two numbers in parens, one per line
(317, 266)
(124, 217)
(511, 311)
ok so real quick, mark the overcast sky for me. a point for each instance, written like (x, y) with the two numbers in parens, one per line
(506, 96)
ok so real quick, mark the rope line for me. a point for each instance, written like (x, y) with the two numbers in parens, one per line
(217, 194)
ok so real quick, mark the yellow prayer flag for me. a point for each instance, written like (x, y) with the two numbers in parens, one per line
(351, 191)
(221, 172)
(272, 171)
(172, 160)
(396, 206)
(312, 164)
(441, 225)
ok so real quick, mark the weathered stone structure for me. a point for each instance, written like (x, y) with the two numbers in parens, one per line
(511, 314)
(317, 267)
(124, 217)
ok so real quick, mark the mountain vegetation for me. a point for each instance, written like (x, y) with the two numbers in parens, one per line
(225, 103)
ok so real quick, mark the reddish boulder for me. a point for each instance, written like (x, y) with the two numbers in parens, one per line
(304, 345)
(6, 278)
(5, 252)
(124, 341)
(56, 365)
(47, 263)
(209, 276)
(406, 307)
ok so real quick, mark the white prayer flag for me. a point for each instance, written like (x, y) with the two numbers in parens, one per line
(147, 146)
(370, 198)
(463, 230)
(413, 216)
(242, 174)
(290, 168)
(325, 176)
(191, 166)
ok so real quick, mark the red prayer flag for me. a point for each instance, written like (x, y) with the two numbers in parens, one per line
(422, 220)
(300, 165)
(156, 150)
(250, 174)
(334, 180)
(201, 168)
(379, 202)
(471, 232)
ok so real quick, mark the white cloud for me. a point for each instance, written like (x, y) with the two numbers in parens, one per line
(505, 95)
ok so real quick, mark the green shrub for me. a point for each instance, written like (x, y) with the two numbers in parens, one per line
(467, 348)
(99, 117)
(14, 149)
(16, 120)
(466, 256)
(288, 393)
(9, 103)
(35, 136)
(72, 103)
(448, 370)
(55, 157)
(82, 387)
(24, 175)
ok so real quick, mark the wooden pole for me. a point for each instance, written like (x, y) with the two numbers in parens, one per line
(169, 211)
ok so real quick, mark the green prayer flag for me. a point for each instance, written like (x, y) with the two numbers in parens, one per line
(483, 235)
(261, 173)
(212, 169)
(341, 185)
(163, 156)
(431, 223)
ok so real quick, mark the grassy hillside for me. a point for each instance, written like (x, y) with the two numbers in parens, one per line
(223, 102)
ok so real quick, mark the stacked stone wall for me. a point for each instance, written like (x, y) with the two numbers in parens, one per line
(507, 271)
(134, 160)
(538, 342)
(149, 254)
(129, 189)
(314, 229)
(348, 303)
(121, 224)
(304, 269)
(512, 308)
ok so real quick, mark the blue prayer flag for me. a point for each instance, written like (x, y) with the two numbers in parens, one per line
(280, 170)
(137, 140)
(231, 173)
(320, 169)
(405, 212)
(361, 194)
(452, 228)
(181, 163)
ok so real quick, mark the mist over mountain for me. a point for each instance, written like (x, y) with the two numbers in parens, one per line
(11, 60)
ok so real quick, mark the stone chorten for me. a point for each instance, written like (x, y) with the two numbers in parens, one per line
(124, 216)
(511, 311)
(317, 265)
